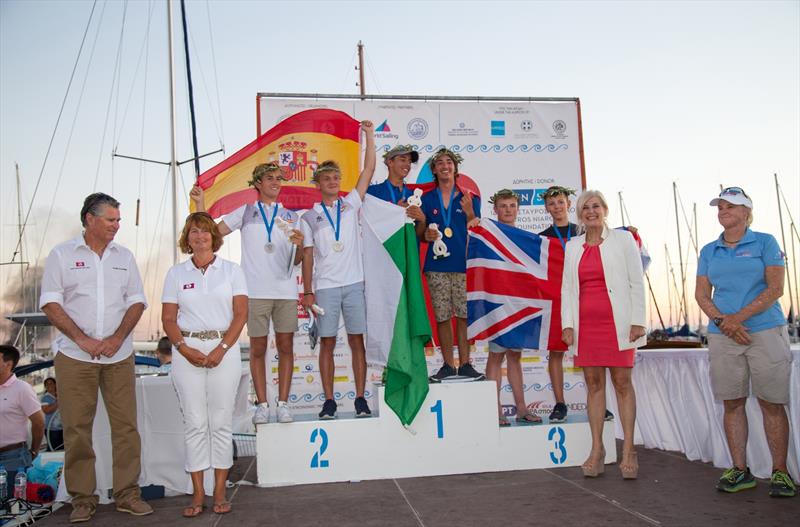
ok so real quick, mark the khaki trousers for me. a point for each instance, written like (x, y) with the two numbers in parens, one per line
(78, 384)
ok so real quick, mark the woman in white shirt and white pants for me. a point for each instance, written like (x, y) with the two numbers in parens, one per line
(204, 309)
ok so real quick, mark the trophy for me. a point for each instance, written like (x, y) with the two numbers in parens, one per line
(439, 247)
(286, 229)
(414, 201)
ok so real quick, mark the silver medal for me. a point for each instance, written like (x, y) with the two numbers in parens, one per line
(338, 246)
(269, 247)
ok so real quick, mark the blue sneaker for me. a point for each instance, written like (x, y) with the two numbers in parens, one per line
(362, 408)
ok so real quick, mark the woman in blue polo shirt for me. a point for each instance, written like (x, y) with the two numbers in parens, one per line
(739, 281)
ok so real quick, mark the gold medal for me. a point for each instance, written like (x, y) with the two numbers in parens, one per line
(448, 232)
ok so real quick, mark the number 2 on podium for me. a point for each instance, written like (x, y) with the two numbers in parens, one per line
(437, 409)
(317, 461)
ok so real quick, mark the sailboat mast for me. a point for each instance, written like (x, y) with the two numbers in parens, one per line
(684, 303)
(173, 164)
(697, 257)
(361, 87)
(783, 239)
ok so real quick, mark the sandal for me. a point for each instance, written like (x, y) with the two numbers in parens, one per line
(223, 507)
(193, 510)
(529, 417)
(503, 422)
(629, 470)
(592, 467)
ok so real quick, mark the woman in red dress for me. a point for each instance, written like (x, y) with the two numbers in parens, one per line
(603, 317)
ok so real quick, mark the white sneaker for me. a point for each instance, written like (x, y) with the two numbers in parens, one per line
(261, 417)
(284, 414)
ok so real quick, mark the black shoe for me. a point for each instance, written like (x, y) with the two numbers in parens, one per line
(466, 370)
(781, 485)
(362, 408)
(559, 413)
(444, 372)
(609, 416)
(734, 480)
(328, 410)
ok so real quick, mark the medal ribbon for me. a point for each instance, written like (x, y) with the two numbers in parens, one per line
(448, 212)
(391, 192)
(336, 228)
(268, 224)
(561, 238)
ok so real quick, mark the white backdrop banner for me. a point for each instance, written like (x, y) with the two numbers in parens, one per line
(526, 146)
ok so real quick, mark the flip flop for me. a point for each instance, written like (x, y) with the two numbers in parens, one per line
(528, 417)
(222, 508)
(193, 510)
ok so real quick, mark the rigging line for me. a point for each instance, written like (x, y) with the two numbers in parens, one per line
(686, 221)
(145, 47)
(155, 241)
(69, 142)
(53, 135)
(350, 65)
(792, 224)
(216, 77)
(119, 74)
(191, 89)
(199, 65)
(142, 165)
(108, 116)
(374, 77)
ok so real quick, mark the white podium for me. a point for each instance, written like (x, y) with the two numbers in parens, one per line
(455, 432)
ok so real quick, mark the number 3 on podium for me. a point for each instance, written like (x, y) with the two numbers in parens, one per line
(437, 409)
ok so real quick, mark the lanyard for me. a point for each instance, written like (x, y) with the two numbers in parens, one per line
(391, 191)
(448, 212)
(561, 238)
(336, 228)
(268, 224)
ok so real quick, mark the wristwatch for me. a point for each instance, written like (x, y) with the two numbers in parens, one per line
(717, 320)
(224, 346)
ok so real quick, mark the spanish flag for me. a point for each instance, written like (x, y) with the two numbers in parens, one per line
(298, 144)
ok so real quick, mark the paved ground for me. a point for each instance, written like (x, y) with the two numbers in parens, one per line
(670, 491)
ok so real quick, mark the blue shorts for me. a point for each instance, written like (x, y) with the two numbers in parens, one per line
(348, 301)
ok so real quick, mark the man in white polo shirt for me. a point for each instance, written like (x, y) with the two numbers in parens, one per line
(93, 294)
(271, 284)
(333, 271)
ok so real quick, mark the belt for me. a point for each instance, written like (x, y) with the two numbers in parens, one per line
(208, 334)
(15, 446)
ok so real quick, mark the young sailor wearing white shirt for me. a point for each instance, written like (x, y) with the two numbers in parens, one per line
(272, 288)
(93, 294)
(204, 308)
(333, 271)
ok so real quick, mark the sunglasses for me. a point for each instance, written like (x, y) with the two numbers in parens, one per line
(733, 191)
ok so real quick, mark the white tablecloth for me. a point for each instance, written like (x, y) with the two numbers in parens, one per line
(161, 430)
(675, 410)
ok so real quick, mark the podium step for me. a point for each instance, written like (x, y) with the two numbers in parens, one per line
(455, 432)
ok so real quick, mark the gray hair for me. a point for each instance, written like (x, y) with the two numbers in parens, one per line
(94, 203)
(586, 196)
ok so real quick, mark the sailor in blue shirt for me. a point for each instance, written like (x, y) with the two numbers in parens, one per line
(454, 212)
(398, 162)
(748, 344)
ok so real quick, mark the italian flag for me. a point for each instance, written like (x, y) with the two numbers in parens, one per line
(397, 323)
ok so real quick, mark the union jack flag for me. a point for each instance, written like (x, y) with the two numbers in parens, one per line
(514, 287)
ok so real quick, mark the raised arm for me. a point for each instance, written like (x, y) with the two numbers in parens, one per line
(368, 171)
(199, 197)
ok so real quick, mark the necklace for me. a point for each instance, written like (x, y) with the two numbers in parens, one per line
(729, 242)
(204, 268)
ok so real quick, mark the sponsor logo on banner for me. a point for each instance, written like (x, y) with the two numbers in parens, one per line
(417, 128)
(462, 130)
(384, 131)
(530, 196)
(559, 129)
(526, 125)
(498, 128)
